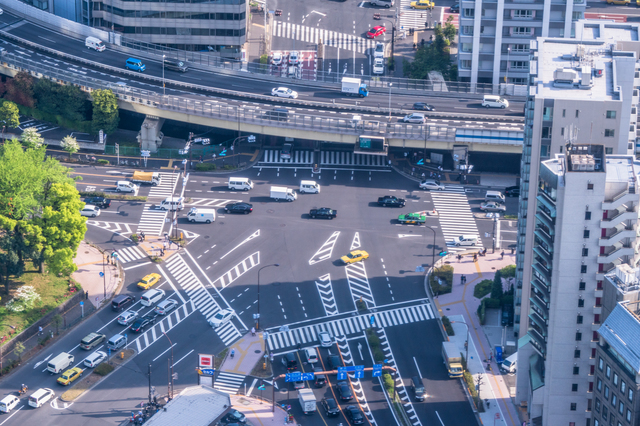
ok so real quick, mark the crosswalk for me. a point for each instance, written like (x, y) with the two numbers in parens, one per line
(279, 340)
(208, 202)
(166, 187)
(162, 325)
(129, 254)
(118, 228)
(152, 220)
(359, 283)
(454, 215)
(327, 158)
(203, 300)
(411, 18)
(228, 382)
(329, 38)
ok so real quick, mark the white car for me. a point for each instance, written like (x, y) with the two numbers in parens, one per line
(276, 59)
(283, 92)
(325, 338)
(127, 317)
(416, 118)
(311, 355)
(294, 58)
(90, 211)
(378, 66)
(94, 359)
(222, 317)
(379, 51)
(9, 402)
(432, 185)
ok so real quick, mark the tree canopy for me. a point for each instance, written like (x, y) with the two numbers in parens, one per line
(434, 56)
(105, 111)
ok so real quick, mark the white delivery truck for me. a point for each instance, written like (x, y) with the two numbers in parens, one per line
(201, 215)
(283, 193)
(95, 44)
(354, 87)
(307, 400)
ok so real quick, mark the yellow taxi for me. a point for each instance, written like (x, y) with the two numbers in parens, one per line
(148, 281)
(70, 376)
(355, 256)
(422, 4)
(619, 2)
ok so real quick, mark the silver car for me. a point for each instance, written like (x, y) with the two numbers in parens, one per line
(284, 92)
(432, 185)
(127, 317)
(492, 206)
(416, 118)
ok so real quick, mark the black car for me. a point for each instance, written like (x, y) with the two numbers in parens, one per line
(100, 202)
(242, 208)
(330, 407)
(455, 8)
(119, 302)
(139, 324)
(354, 414)
(512, 191)
(321, 379)
(234, 417)
(334, 362)
(507, 317)
(323, 212)
(344, 391)
(423, 106)
(175, 65)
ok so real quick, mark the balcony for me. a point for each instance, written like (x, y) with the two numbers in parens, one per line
(538, 341)
(618, 252)
(540, 251)
(545, 219)
(625, 197)
(541, 287)
(540, 304)
(544, 272)
(541, 323)
(622, 230)
(541, 233)
(631, 215)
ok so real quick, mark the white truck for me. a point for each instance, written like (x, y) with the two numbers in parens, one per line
(354, 87)
(307, 400)
(201, 215)
(452, 359)
(283, 193)
(148, 178)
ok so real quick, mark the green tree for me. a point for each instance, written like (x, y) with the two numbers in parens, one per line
(20, 89)
(9, 116)
(449, 30)
(70, 144)
(18, 350)
(433, 57)
(73, 103)
(30, 138)
(105, 111)
(496, 288)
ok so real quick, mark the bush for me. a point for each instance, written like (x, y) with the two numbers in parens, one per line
(205, 167)
(103, 162)
(481, 312)
(388, 384)
(506, 300)
(361, 305)
(264, 59)
(372, 338)
(447, 326)
(156, 259)
(491, 303)
(444, 275)
(103, 369)
(508, 271)
(482, 289)
(134, 238)
(468, 378)
(378, 355)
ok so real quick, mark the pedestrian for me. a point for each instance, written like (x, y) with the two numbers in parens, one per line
(475, 257)
(513, 250)
(253, 331)
(459, 258)
(233, 352)
(39, 331)
(161, 252)
(271, 356)
(502, 255)
(415, 46)
(201, 158)
(142, 236)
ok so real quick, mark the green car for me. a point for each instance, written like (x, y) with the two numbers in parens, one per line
(416, 218)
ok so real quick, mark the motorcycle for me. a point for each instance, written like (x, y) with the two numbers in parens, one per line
(23, 390)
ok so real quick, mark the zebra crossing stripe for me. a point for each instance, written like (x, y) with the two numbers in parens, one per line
(209, 202)
(238, 270)
(228, 382)
(145, 340)
(325, 251)
(129, 254)
(166, 187)
(455, 217)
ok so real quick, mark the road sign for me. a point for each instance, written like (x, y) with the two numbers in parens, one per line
(442, 253)
(251, 139)
(420, 162)
(419, 269)
(81, 303)
(265, 335)
(293, 377)
(359, 374)
(261, 387)
(223, 153)
(377, 370)
(342, 376)
(145, 153)
(101, 274)
(308, 376)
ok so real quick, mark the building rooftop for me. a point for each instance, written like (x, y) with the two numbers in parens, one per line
(621, 330)
(625, 278)
(585, 158)
(194, 406)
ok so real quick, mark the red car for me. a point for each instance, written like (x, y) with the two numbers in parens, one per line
(376, 31)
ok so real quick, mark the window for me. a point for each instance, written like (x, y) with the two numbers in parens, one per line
(468, 13)
(611, 114)
(630, 396)
(585, 252)
(608, 372)
(578, 338)
(523, 13)
(574, 387)
(587, 215)
(581, 285)
(521, 31)
(577, 113)
(576, 16)
(606, 392)
(597, 405)
(564, 113)
(599, 385)
(465, 63)
(574, 406)
(605, 412)
(608, 150)
(467, 30)
(596, 423)
(467, 47)
(621, 408)
(609, 133)
(578, 321)
(589, 186)
(615, 379)
(581, 301)
(600, 364)
(519, 65)
(519, 48)
(614, 400)
(585, 233)
(583, 269)
(628, 415)
(623, 387)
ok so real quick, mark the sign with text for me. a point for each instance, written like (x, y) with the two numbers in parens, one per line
(293, 377)
(308, 376)
(377, 370)
(205, 361)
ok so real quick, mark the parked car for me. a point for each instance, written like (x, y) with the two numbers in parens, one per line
(234, 416)
(294, 57)
(242, 208)
(276, 58)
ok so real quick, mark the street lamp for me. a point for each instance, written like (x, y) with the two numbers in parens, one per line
(390, 84)
(170, 389)
(258, 315)
(466, 343)
(433, 247)
(104, 275)
(506, 76)
(175, 212)
(163, 90)
(250, 138)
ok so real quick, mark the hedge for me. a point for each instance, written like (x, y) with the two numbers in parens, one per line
(205, 167)
(443, 273)
(482, 289)
(447, 326)
(388, 384)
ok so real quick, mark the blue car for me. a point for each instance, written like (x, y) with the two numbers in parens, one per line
(135, 65)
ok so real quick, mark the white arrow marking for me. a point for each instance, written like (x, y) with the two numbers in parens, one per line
(408, 235)
(40, 362)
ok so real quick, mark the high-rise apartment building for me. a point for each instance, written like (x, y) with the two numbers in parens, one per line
(495, 34)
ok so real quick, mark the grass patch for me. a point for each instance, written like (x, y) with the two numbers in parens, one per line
(511, 216)
(205, 167)
(482, 289)
(156, 259)
(52, 290)
(103, 369)
(388, 383)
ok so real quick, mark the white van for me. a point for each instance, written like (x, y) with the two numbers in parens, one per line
(309, 186)
(126, 186)
(152, 297)
(240, 183)
(496, 196)
(509, 365)
(95, 44)
(116, 342)
(175, 203)
(465, 240)
(201, 215)
(383, 3)
(490, 101)
(60, 363)
(40, 397)
(8, 403)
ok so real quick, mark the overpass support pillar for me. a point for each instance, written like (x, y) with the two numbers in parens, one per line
(150, 137)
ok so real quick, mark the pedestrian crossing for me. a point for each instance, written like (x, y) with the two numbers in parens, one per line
(162, 325)
(209, 202)
(359, 283)
(349, 326)
(118, 228)
(152, 220)
(129, 254)
(166, 186)
(329, 38)
(412, 18)
(228, 382)
(327, 158)
(454, 214)
(203, 300)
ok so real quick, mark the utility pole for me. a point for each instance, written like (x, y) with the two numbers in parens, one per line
(149, 384)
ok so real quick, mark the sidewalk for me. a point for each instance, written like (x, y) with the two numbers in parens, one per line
(91, 263)
(249, 351)
(460, 305)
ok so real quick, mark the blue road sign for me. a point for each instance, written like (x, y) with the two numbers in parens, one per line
(81, 303)
(293, 377)
(377, 370)
(420, 162)
(359, 368)
(223, 153)
(208, 372)
(443, 253)
(308, 376)
(359, 374)
(342, 369)
(342, 376)
(372, 320)
(101, 274)
(261, 387)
